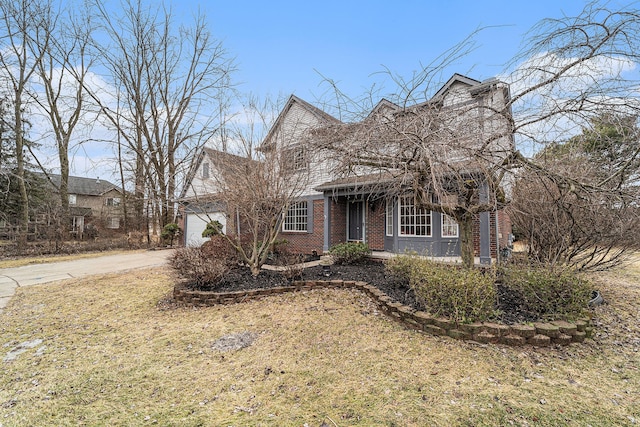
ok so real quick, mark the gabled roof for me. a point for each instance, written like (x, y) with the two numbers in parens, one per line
(318, 113)
(218, 158)
(83, 186)
(475, 87)
(381, 105)
(456, 78)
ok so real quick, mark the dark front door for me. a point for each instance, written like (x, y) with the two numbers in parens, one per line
(355, 229)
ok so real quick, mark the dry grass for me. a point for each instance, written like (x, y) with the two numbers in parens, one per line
(112, 357)
(20, 262)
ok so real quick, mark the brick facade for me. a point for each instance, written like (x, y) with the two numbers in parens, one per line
(308, 243)
(504, 228)
(338, 223)
(375, 225)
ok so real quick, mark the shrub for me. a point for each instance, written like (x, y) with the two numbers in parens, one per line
(547, 293)
(292, 266)
(463, 295)
(213, 228)
(350, 252)
(169, 232)
(196, 267)
(401, 266)
(219, 248)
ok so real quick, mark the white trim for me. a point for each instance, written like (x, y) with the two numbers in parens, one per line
(388, 219)
(297, 217)
(428, 217)
(452, 236)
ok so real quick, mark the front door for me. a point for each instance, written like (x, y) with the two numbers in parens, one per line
(355, 228)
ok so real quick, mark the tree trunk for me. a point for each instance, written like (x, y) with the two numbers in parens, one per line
(466, 240)
(64, 192)
(23, 217)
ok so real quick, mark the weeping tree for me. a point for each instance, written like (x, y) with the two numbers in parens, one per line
(447, 154)
(457, 153)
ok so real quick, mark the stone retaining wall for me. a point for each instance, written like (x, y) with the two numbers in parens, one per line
(538, 334)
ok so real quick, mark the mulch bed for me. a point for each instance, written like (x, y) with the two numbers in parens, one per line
(372, 272)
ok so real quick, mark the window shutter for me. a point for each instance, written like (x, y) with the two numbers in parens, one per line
(309, 216)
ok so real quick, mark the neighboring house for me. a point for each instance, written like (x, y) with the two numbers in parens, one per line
(92, 201)
(333, 209)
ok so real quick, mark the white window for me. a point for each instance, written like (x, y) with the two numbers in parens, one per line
(112, 201)
(72, 199)
(296, 217)
(389, 218)
(113, 222)
(449, 226)
(205, 170)
(414, 221)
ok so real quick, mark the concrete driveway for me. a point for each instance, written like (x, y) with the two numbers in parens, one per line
(13, 278)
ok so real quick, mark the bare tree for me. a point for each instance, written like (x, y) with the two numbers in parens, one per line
(62, 48)
(455, 157)
(448, 154)
(21, 22)
(255, 188)
(589, 226)
(170, 79)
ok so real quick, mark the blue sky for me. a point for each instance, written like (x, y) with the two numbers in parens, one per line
(282, 46)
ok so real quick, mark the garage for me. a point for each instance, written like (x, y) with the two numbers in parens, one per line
(197, 222)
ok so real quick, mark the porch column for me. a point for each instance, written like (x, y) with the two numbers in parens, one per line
(485, 229)
(327, 223)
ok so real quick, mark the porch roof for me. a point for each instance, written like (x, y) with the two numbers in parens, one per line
(363, 183)
(79, 211)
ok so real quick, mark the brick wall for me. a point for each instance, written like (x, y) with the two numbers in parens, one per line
(307, 243)
(476, 235)
(492, 235)
(338, 223)
(504, 228)
(375, 225)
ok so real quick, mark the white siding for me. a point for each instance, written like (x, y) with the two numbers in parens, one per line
(293, 127)
(202, 186)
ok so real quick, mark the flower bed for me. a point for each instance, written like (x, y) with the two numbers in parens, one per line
(537, 334)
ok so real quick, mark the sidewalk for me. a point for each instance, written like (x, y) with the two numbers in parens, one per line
(13, 278)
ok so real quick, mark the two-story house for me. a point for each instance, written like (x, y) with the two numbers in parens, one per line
(92, 200)
(338, 207)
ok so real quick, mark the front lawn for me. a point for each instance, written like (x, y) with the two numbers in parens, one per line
(110, 355)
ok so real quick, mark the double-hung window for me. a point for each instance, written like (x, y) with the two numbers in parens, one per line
(296, 217)
(414, 220)
(113, 222)
(296, 159)
(449, 226)
(389, 218)
(112, 201)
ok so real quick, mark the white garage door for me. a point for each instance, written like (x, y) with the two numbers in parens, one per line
(196, 223)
